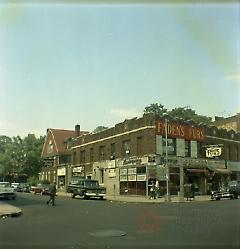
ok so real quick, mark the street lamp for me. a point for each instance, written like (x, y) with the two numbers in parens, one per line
(167, 166)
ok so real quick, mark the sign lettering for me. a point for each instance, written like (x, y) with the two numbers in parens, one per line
(180, 131)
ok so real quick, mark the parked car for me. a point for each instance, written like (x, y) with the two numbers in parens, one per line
(42, 189)
(24, 187)
(231, 190)
(15, 185)
(6, 191)
(86, 188)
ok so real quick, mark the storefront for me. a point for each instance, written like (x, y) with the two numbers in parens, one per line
(61, 174)
(133, 180)
(235, 169)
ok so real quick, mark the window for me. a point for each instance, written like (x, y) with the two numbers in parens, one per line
(187, 148)
(139, 145)
(91, 154)
(126, 148)
(112, 156)
(171, 146)
(74, 157)
(82, 156)
(200, 152)
(101, 153)
(50, 147)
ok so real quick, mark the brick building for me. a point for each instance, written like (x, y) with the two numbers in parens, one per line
(128, 157)
(230, 123)
(56, 154)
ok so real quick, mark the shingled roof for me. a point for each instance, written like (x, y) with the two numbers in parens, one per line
(59, 138)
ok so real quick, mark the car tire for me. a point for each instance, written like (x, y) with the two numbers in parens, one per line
(218, 198)
(73, 196)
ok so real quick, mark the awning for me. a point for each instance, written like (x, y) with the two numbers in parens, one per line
(220, 170)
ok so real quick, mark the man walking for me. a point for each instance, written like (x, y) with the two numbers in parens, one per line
(52, 193)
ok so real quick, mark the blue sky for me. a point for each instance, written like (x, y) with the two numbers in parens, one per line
(98, 64)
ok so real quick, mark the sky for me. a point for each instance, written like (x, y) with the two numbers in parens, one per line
(66, 63)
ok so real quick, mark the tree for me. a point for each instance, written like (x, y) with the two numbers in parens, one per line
(20, 156)
(155, 108)
(100, 128)
(187, 113)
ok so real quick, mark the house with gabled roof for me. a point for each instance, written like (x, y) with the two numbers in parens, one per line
(56, 155)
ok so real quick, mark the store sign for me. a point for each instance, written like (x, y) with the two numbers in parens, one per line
(180, 131)
(213, 152)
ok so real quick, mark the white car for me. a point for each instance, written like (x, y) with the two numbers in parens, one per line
(15, 185)
(6, 191)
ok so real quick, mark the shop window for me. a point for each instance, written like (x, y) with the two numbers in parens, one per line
(187, 148)
(171, 146)
(141, 170)
(101, 153)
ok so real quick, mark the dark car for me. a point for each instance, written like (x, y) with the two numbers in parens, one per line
(86, 188)
(231, 190)
(42, 189)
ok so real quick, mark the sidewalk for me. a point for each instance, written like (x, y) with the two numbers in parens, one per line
(145, 199)
(7, 210)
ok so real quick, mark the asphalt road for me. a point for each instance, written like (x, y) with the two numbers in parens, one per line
(82, 224)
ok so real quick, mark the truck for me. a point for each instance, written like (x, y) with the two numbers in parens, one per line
(6, 191)
(86, 189)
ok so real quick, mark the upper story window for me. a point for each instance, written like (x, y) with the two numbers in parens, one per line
(112, 156)
(101, 153)
(171, 146)
(91, 154)
(74, 157)
(82, 156)
(139, 145)
(187, 148)
(50, 147)
(126, 148)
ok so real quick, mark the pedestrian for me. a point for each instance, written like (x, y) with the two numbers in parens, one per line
(52, 194)
(153, 191)
(157, 189)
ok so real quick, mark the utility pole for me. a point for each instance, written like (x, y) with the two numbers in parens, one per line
(167, 165)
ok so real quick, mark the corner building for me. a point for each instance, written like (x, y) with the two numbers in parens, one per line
(130, 156)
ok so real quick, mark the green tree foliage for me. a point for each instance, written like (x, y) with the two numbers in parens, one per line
(100, 128)
(155, 108)
(20, 155)
(185, 113)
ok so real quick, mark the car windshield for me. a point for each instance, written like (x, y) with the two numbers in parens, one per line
(91, 184)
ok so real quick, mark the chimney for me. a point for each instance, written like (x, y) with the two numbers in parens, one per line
(77, 130)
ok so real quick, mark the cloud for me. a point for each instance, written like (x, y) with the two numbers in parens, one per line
(233, 77)
(125, 113)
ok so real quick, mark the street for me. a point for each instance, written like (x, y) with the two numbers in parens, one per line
(77, 224)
